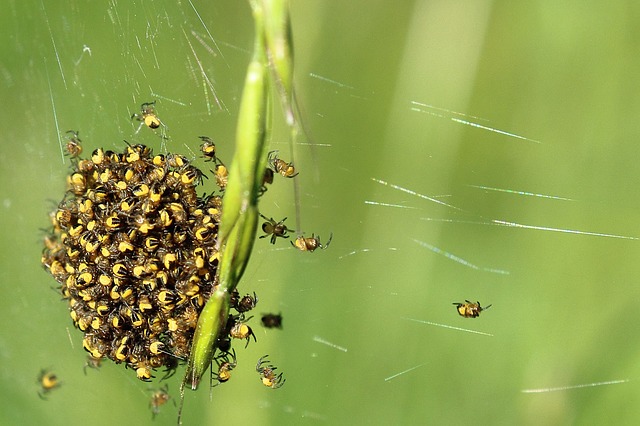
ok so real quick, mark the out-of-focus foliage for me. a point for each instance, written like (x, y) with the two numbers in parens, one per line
(388, 92)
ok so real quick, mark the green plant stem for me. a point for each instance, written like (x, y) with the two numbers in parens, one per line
(240, 215)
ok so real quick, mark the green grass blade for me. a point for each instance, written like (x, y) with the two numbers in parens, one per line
(240, 207)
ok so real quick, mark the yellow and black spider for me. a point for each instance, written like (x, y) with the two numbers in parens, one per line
(48, 381)
(147, 116)
(268, 376)
(470, 309)
(280, 166)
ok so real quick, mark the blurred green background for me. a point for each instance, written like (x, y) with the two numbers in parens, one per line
(382, 89)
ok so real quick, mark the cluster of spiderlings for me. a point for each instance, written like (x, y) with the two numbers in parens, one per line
(134, 249)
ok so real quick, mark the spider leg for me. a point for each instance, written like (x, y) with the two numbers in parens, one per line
(328, 242)
(139, 127)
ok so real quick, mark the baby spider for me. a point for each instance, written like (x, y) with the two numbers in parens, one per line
(48, 381)
(222, 176)
(267, 178)
(245, 303)
(91, 362)
(272, 320)
(273, 228)
(268, 375)
(469, 309)
(74, 144)
(147, 116)
(159, 397)
(280, 166)
(310, 243)
(208, 149)
(240, 330)
(226, 362)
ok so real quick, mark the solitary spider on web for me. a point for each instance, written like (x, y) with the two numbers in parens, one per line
(470, 309)
(310, 244)
(226, 362)
(273, 228)
(148, 117)
(268, 375)
(280, 166)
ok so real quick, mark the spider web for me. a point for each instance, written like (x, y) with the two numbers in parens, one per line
(455, 152)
